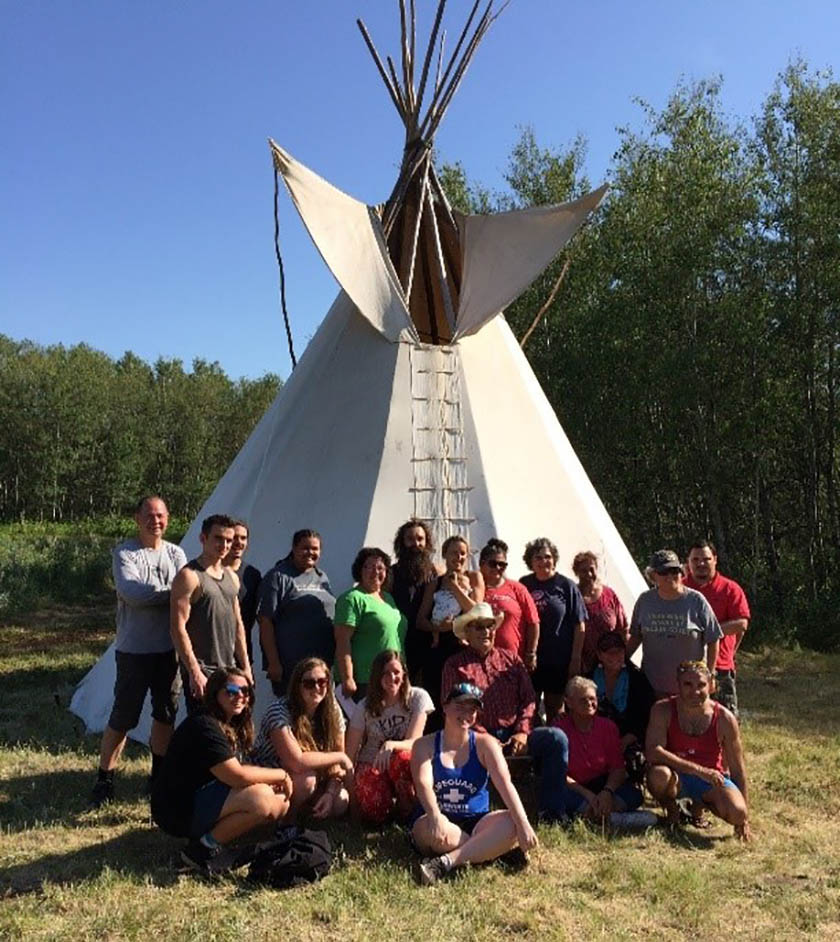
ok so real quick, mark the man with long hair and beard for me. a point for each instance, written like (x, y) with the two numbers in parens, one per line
(413, 569)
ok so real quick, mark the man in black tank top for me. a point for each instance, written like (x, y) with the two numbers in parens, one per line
(205, 620)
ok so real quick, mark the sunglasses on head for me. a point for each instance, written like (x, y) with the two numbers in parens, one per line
(312, 683)
(234, 690)
(499, 564)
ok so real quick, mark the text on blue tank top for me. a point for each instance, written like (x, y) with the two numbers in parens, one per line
(461, 791)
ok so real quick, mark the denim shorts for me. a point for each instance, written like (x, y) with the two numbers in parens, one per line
(694, 787)
(207, 807)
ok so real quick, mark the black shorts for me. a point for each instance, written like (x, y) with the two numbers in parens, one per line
(136, 674)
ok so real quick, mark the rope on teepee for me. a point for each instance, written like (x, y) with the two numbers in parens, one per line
(280, 266)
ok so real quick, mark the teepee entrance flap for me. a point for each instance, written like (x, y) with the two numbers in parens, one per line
(504, 252)
(348, 234)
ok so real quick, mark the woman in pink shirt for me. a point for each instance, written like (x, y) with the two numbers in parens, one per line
(520, 630)
(604, 611)
(596, 780)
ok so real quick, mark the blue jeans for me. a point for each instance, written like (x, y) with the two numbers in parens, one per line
(550, 747)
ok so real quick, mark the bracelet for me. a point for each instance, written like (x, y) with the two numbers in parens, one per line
(530, 654)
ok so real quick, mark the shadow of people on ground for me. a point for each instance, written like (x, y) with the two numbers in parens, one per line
(143, 852)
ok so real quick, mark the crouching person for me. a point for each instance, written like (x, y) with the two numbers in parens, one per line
(204, 791)
(451, 769)
(691, 741)
(303, 732)
(596, 778)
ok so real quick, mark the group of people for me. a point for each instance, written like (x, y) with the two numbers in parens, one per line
(406, 695)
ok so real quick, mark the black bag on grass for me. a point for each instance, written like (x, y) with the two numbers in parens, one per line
(302, 856)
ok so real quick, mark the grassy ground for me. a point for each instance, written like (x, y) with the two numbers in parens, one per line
(70, 873)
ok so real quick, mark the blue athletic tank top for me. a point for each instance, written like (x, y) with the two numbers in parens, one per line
(461, 792)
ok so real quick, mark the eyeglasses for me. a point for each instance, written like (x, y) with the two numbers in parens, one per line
(496, 564)
(482, 626)
(234, 690)
(311, 683)
(544, 556)
(670, 572)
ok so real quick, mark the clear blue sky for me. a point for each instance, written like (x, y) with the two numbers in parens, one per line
(135, 180)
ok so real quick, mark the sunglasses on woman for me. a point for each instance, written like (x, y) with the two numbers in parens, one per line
(234, 690)
(499, 564)
(312, 683)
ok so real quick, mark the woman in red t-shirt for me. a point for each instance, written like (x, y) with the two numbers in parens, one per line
(604, 611)
(520, 629)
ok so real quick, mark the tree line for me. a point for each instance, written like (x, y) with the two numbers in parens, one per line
(82, 434)
(691, 352)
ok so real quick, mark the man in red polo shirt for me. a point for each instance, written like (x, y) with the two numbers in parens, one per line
(731, 609)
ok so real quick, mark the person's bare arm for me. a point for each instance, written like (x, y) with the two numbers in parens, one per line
(424, 614)
(355, 738)
(344, 659)
(240, 645)
(490, 756)
(185, 590)
(477, 585)
(274, 668)
(421, 773)
(292, 757)
(730, 740)
(577, 648)
(233, 773)
(712, 654)
(734, 626)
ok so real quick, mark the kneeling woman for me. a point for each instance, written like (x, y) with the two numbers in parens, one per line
(204, 791)
(383, 728)
(303, 732)
(451, 769)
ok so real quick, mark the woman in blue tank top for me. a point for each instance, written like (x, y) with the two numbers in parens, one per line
(451, 769)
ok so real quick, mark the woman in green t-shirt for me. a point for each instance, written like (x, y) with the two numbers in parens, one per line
(367, 621)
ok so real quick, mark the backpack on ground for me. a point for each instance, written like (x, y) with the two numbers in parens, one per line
(299, 857)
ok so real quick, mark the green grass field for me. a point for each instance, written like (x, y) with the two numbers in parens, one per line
(70, 873)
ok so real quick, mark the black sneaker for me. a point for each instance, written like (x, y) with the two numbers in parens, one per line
(208, 861)
(515, 859)
(430, 870)
(103, 792)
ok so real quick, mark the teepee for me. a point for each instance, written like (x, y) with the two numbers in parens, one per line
(413, 398)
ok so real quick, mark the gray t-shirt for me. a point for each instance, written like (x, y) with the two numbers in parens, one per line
(672, 630)
(302, 607)
(143, 578)
(392, 723)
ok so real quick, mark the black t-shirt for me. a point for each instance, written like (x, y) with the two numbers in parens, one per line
(197, 745)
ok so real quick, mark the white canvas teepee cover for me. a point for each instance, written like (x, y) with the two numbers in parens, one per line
(373, 427)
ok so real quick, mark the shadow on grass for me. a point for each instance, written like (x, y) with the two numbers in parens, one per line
(61, 798)
(34, 711)
(141, 852)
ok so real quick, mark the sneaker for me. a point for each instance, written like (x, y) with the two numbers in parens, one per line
(103, 792)
(515, 859)
(208, 861)
(430, 870)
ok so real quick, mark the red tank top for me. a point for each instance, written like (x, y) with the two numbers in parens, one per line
(704, 750)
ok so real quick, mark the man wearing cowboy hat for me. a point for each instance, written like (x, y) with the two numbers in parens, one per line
(509, 701)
